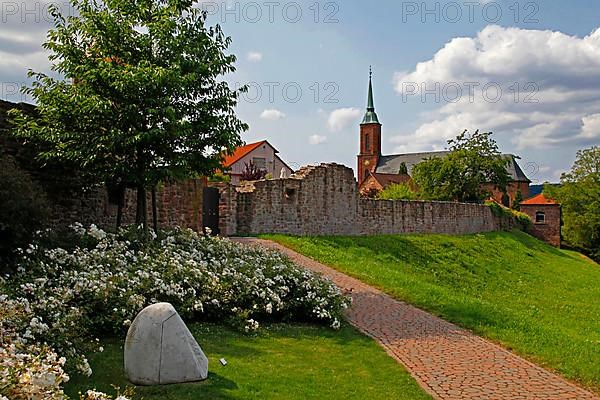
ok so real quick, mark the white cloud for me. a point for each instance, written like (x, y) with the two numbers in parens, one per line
(317, 139)
(591, 127)
(549, 81)
(340, 118)
(272, 114)
(254, 56)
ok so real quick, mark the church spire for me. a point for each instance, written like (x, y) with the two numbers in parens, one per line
(370, 115)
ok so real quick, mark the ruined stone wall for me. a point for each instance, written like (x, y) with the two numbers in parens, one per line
(324, 200)
(314, 201)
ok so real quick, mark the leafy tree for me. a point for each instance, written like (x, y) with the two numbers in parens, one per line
(579, 195)
(24, 209)
(141, 101)
(473, 163)
(402, 191)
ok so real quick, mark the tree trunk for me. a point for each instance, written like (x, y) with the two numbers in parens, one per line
(154, 210)
(141, 214)
(120, 205)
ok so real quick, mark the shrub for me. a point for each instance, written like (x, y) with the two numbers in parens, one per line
(220, 177)
(99, 287)
(30, 369)
(24, 209)
(252, 173)
(401, 191)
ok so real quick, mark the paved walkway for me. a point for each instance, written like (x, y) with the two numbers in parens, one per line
(447, 361)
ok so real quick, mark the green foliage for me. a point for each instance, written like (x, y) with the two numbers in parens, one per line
(523, 220)
(142, 100)
(400, 191)
(220, 177)
(517, 201)
(292, 362)
(539, 301)
(100, 285)
(579, 196)
(474, 162)
(24, 209)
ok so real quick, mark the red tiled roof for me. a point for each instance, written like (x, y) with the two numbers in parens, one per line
(539, 200)
(241, 152)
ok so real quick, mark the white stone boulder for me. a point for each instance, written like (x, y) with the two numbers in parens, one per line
(160, 349)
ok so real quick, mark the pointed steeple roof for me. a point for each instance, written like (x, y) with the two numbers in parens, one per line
(370, 115)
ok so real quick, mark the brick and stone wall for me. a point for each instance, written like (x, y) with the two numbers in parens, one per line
(314, 201)
(178, 204)
(511, 191)
(324, 200)
(389, 217)
(549, 229)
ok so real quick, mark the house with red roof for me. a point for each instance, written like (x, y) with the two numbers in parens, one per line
(262, 154)
(546, 215)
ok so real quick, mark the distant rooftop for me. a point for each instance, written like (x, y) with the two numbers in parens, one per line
(241, 152)
(388, 179)
(539, 200)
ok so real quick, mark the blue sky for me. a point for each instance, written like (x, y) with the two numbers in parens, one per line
(548, 54)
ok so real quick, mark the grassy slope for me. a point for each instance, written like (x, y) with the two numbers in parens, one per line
(281, 362)
(542, 302)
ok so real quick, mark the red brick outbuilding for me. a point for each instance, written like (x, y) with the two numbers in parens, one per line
(545, 213)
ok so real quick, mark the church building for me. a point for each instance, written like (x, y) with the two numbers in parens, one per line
(377, 171)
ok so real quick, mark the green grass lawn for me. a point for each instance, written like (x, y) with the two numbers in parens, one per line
(280, 362)
(542, 302)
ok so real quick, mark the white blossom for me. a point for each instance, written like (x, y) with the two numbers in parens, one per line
(58, 295)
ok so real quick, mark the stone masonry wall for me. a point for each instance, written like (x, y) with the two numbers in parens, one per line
(178, 204)
(389, 217)
(324, 200)
(314, 201)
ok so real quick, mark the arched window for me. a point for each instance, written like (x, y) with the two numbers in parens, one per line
(540, 217)
(367, 142)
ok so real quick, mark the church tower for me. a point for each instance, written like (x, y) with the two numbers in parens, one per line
(370, 138)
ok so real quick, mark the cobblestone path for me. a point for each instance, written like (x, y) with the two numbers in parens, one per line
(447, 361)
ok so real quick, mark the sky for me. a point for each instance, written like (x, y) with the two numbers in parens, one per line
(529, 71)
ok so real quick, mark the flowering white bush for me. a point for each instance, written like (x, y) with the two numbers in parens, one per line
(67, 297)
(28, 370)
